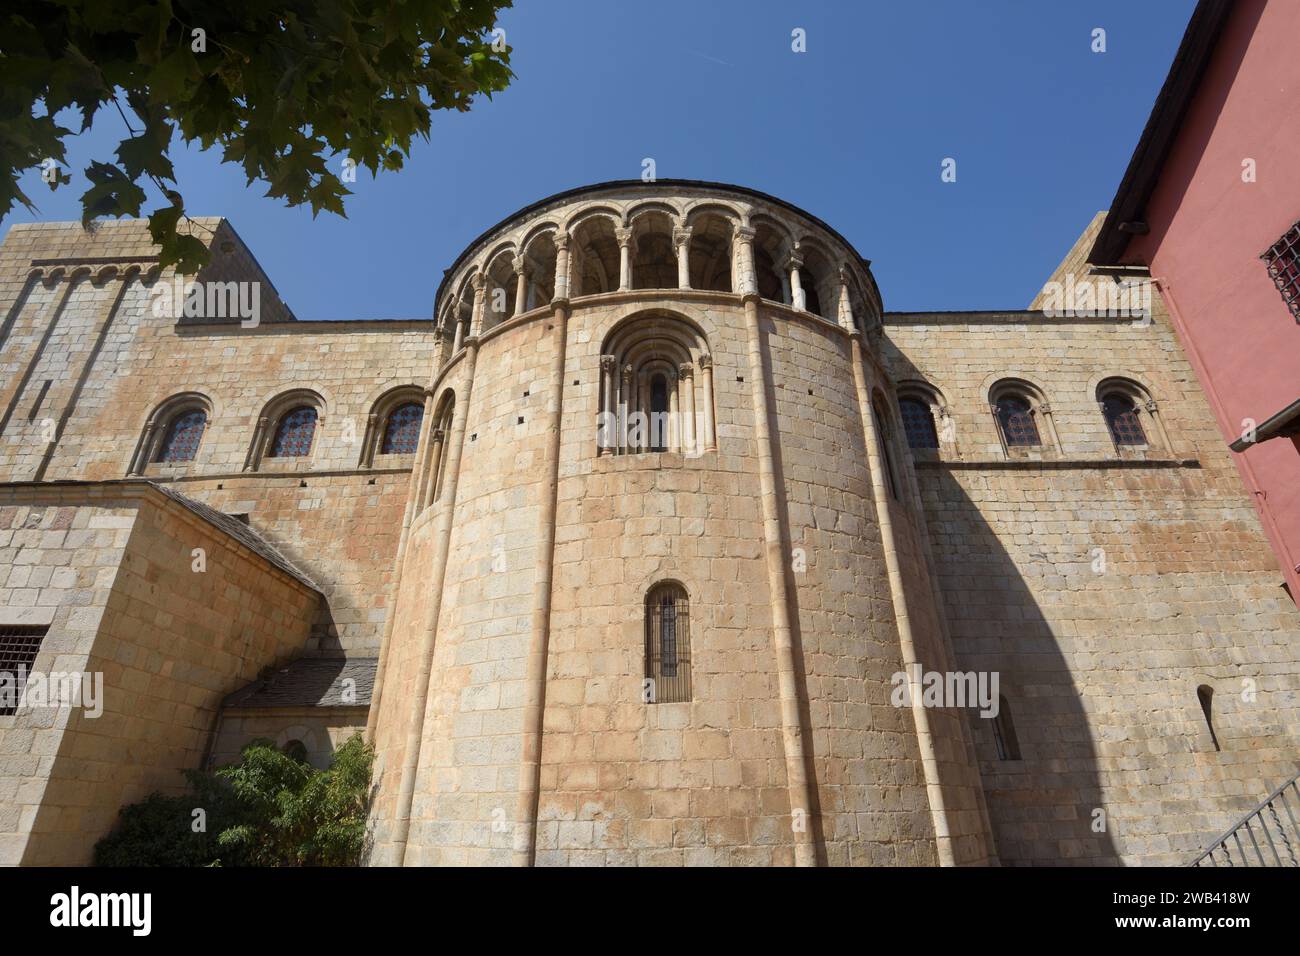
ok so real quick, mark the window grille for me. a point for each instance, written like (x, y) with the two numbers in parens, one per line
(181, 440)
(1123, 420)
(402, 432)
(19, 646)
(668, 645)
(1016, 418)
(918, 423)
(1283, 261)
(294, 435)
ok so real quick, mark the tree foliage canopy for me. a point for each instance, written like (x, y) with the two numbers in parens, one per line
(270, 809)
(281, 86)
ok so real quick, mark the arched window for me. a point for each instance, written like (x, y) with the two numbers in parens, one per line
(181, 439)
(294, 434)
(1016, 419)
(1004, 732)
(1205, 694)
(656, 389)
(402, 430)
(1122, 419)
(918, 422)
(885, 439)
(667, 644)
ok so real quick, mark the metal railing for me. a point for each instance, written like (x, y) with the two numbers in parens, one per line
(1267, 836)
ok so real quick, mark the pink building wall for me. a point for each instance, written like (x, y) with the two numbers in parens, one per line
(1208, 230)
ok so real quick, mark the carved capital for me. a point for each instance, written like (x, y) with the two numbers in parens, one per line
(607, 363)
(681, 236)
(561, 241)
(1150, 406)
(523, 266)
(686, 370)
(479, 282)
(439, 434)
(795, 261)
(1044, 408)
(623, 235)
(745, 234)
(706, 360)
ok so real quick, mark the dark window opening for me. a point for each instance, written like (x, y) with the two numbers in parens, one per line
(918, 423)
(1123, 420)
(667, 645)
(184, 433)
(19, 646)
(1283, 261)
(402, 432)
(1004, 732)
(1016, 419)
(1205, 694)
(293, 437)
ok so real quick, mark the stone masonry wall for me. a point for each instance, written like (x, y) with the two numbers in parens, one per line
(1101, 661)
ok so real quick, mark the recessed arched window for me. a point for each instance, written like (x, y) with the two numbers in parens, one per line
(294, 434)
(1016, 419)
(1122, 419)
(667, 644)
(181, 440)
(885, 440)
(1205, 694)
(1004, 732)
(918, 422)
(402, 430)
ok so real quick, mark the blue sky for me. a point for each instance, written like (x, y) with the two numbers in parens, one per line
(854, 131)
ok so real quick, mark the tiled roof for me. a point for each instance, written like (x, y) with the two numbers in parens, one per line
(312, 682)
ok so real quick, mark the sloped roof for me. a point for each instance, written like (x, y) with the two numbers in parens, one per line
(312, 682)
(240, 532)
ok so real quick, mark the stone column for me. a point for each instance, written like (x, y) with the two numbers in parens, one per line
(624, 237)
(643, 406)
(480, 305)
(791, 683)
(846, 302)
(797, 298)
(710, 427)
(414, 497)
(902, 619)
(1153, 410)
(419, 699)
(682, 243)
(687, 372)
(435, 467)
(521, 285)
(459, 339)
(534, 690)
(674, 433)
(624, 407)
(562, 266)
(1045, 413)
(746, 283)
(605, 438)
(145, 449)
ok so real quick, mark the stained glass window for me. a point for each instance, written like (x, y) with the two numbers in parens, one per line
(293, 436)
(1123, 420)
(181, 440)
(1016, 418)
(918, 423)
(402, 432)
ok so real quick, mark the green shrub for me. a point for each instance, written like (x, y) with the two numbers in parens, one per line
(270, 809)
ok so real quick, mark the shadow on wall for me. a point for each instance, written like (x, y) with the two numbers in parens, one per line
(1042, 780)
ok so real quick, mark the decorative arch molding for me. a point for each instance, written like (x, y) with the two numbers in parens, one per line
(1016, 402)
(378, 422)
(269, 419)
(927, 395)
(434, 472)
(158, 423)
(1130, 389)
(656, 387)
